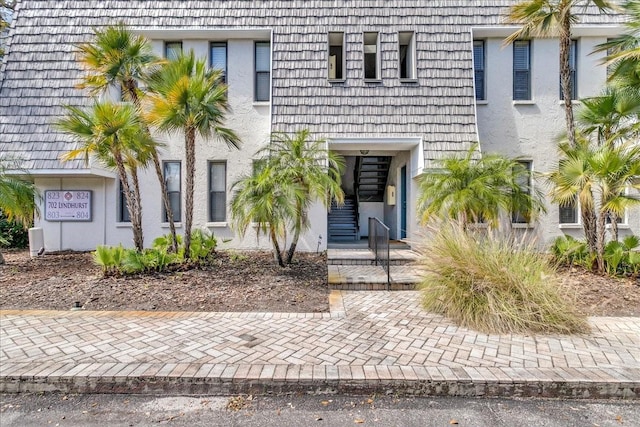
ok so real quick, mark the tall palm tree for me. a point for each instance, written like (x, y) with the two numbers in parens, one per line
(471, 189)
(17, 196)
(112, 133)
(552, 18)
(186, 95)
(306, 163)
(259, 198)
(116, 56)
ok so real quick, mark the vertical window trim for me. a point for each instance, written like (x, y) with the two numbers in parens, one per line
(226, 57)
(256, 72)
(210, 191)
(412, 65)
(573, 71)
(123, 211)
(527, 70)
(378, 62)
(165, 219)
(167, 43)
(343, 61)
(480, 69)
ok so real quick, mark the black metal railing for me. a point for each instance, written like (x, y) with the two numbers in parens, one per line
(379, 245)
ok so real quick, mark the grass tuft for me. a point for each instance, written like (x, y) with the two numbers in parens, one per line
(494, 285)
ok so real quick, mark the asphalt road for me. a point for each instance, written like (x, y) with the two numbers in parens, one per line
(26, 410)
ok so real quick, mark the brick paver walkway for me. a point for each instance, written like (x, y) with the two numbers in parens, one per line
(369, 338)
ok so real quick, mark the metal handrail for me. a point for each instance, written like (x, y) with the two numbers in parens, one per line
(379, 245)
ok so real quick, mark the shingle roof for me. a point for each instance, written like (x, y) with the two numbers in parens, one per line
(40, 72)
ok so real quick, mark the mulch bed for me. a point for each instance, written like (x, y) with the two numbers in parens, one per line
(236, 281)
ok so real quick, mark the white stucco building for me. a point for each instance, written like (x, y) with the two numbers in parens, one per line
(391, 88)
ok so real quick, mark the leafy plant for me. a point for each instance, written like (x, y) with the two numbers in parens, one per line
(203, 245)
(14, 234)
(110, 258)
(495, 285)
(620, 258)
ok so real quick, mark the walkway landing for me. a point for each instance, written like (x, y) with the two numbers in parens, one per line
(370, 342)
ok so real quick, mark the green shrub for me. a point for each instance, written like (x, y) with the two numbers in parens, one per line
(203, 245)
(12, 234)
(493, 284)
(109, 258)
(569, 251)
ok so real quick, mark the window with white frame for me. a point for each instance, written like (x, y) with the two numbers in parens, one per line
(407, 55)
(336, 57)
(173, 180)
(478, 68)
(218, 58)
(522, 70)
(172, 50)
(263, 71)
(568, 212)
(573, 67)
(217, 191)
(123, 211)
(371, 63)
(523, 179)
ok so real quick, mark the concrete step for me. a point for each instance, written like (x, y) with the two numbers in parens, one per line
(372, 277)
(366, 257)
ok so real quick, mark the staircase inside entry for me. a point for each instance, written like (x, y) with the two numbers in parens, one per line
(343, 221)
(371, 177)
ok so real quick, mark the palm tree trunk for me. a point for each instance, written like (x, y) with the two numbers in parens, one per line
(589, 224)
(296, 233)
(190, 152)
(122, 175)
(565, 78)
(276, 247)
(600, 241)
(137, 224)
(614, 225)
(130, 87)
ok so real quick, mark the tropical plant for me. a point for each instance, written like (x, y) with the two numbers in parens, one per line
(114, 135)
(493, 284)
(260, 199)
(596, 176)
(188, 96)
(308, 165)
(116, 56)
(553, 18)
(17, 196)
(569, 251)
(620, 258)
(475, 188)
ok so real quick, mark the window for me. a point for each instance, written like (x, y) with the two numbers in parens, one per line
(217, 191)
(524, 182)
(218, 58)
(569, 212)
(407, 54)
(573, 50)
(371, 57)
(123, 211)
(173, 180)
(263, 71)
(336, 65)
(478, 68)
(172, 50)
(521, 70)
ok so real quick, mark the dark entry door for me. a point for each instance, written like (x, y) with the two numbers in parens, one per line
(403, 202)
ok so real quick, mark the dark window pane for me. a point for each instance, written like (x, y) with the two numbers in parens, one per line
(217, 191)
(172, 50)
(521, 70)
(219, 58)
(478, 65)
(172, 176)
(123, 210)
(262, 70)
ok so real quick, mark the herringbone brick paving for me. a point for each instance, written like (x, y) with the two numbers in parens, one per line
(367, 335)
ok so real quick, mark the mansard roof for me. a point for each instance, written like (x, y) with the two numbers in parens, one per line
(40, 72)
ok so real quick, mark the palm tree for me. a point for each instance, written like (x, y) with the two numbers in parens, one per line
(597, 177)
(552, 18)
(116, 56)
(186, 95)
(113, 133)
(17, 196)
(472, 189)
(309, 165)
(259, 198)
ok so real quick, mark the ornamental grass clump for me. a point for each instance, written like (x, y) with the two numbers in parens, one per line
(494, 284)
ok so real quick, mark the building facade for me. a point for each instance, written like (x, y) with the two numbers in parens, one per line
(391, 88)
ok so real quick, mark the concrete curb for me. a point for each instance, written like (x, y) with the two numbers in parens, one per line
(224, 379)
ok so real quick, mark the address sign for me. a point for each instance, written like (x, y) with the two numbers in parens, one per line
(67, 205)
